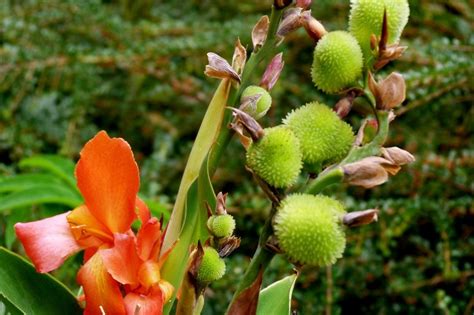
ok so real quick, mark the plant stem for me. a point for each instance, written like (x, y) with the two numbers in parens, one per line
(260, 260)
(325, 179)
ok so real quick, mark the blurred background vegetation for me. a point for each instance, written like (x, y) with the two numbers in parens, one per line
(135, 68)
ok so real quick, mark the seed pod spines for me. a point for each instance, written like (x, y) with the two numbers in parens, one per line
(221, 225)
(308, 229)
(276, 157)
(337, 62)
(324, 137)
(262, 105)
(212, 266)
(366, 18)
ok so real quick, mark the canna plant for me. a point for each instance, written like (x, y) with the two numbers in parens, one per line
(148, 270)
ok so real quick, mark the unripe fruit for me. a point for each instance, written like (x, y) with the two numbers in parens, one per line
(324, 137)
(276, 157)
(366, 18)
(308, 229)
(263, 104)
(337, 62)
(212, 267)
(221, 225)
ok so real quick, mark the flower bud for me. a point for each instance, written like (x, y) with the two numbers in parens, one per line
(308, 229)
(260, 31)
(276, 157)
(397, 156)
(255, 101)
(366, 18)
(323, 136)
(212, 266)
(219, 68)
(358, 218)
(221, 225)
(369, 172)
(390, 92)
(337, 62)
(290, 22)
(313, 27)
(272, 72)
(304, 4)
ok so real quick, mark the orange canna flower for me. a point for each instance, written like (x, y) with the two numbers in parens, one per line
(108, 178)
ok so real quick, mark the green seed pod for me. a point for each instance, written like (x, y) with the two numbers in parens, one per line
(366, 18)
(309, 230)
(337, 62)
(212, 267)
(276, 157)
(263, 104)
(221, 225)
(324, 137)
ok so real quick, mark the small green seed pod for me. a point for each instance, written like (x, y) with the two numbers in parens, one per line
(324, 137)
(263, 104)
(337, 62)
(366, 18)
(308, 229)
(221, 225)
(212, 267)
(276, 157)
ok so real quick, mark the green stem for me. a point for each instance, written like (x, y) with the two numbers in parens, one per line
(260, 260)
(325, 179)
(372, 148)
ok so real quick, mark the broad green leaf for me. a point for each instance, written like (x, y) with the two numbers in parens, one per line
(206, 195)
(7, 308)
(25, 181)
(32, 292)
(207, 134)
(200, 193)
(59, 166)
(38, 195)
(175, 266)
(276, 298)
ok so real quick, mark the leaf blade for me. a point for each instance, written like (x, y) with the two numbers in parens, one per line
(30, 291)
(276, 298)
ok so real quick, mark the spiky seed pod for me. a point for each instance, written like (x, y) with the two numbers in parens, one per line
(276, 157)
(324, 137)
(309, 230)
(221, 225)
(366, 18)
(337, 62)
(263, 104)
(212, 267)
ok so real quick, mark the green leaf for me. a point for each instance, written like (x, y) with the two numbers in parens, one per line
(276, 298)
(59, 166)
(32, 292)
(7, 308)
(53, 193)
(207, 134)
(25, 181)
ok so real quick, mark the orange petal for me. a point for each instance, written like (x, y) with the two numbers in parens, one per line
(47, 242)
(149, 274)
(150, 304)
(149, 239)
(102, 292)
(122, 261)
(107, 176)
(87, 229)
(143, 211)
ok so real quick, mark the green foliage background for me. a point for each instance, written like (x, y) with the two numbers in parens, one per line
(135, 68)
